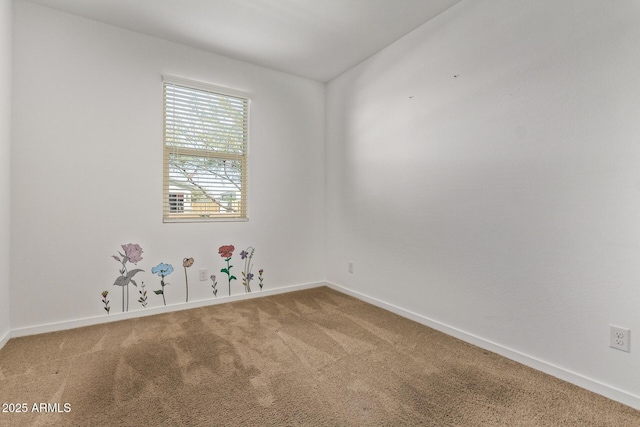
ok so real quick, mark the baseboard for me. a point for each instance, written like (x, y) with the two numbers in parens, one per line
(540, 365)
(78, 323)
(5, 339)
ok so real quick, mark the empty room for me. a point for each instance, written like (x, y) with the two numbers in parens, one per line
(330, 212)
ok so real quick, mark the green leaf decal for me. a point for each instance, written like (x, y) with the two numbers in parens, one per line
(121, 281)
(133, 273)
(160, 292)
(124, 280)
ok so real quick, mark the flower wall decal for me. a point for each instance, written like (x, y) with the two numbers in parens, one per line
(213, 279)
(162, 270)
(247, 276)
(132, 253)
(227, 252)
(186, 263)
(260, 278)
(143, 295)
(105, 301)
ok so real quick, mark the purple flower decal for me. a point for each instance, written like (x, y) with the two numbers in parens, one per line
(247, 255)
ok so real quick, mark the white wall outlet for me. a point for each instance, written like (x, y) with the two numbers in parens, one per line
(204, 274)
(619, 338)
(350, 266)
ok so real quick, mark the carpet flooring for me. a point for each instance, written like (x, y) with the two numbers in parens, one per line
(307, 358)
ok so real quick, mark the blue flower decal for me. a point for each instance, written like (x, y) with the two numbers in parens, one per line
(162, 269)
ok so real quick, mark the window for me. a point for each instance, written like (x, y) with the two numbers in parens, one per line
(205, 152)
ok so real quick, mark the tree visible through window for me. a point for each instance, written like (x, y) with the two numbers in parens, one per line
(205, 152)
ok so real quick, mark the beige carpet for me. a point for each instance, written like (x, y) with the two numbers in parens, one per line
(314, 358)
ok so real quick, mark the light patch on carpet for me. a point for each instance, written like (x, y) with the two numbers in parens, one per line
(379, 332)
(325, 305)
(263, 391)
(131, 339)
(173, 330)
(310, 356)
(284, 310)
(350, 344)
(304, 308)
(183, 358)
(266, 320)
(99, 346)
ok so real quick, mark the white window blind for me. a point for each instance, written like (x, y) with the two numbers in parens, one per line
(205, 152)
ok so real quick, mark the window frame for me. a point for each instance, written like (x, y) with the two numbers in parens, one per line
(170, 215)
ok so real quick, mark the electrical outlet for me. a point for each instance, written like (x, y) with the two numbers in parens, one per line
(351, 267)
(619, 338)
(203, 274)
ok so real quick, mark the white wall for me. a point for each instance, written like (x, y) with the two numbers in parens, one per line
(5, 164)
(87, 170)
(483, 174)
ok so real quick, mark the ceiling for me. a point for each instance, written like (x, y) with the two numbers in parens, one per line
(316, 39)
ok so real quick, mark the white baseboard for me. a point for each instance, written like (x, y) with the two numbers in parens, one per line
(77, 323)
(5, 339)
(540, 365)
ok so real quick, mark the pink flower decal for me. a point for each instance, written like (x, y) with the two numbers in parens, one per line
(226, 251)
(133, 251)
